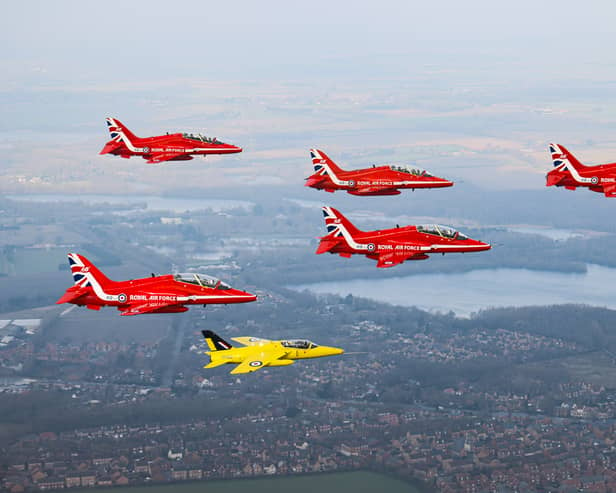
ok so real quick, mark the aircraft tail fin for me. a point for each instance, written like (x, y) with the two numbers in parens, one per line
(323, 164)
(215, 342)
(119, 131)
(339, 229)
(85, 273)
(334, 220)
(562, 157)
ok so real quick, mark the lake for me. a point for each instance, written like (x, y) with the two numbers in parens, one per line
(468, 292)
(345, 482)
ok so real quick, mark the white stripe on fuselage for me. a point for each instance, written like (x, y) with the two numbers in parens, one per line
(365, 246)
(98, 289)
(455, 246)
(332, 175)
(402, 183)
(567, 166)
(104, 296)
(359, 184)
(142, 150)
(349, 239)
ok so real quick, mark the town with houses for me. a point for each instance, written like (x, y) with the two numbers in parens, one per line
(502, 401)
(349, 414)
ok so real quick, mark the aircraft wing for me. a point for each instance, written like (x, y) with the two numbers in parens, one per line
(150, 308)
(167, 156)
(609, 190)
(71, 295)
(375, 191)
(257, 360)
(390, 259)
(110, 147)
(250, 341)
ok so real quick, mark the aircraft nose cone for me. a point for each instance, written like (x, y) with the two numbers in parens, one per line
(333, 351)
(437, 181)
(242, 296)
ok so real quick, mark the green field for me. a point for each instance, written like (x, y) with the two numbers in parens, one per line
(345, 482)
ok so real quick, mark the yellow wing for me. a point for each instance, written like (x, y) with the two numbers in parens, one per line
(258, 359)
(251, 341)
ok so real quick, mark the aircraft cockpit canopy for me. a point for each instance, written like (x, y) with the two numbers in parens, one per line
(411, 170)
(202, 138)
(444, 231)
(298, 344)
(201, 280)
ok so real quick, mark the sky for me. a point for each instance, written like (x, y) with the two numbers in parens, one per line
(474, 75)
(117, 40)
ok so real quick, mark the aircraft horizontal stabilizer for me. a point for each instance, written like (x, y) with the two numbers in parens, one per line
(326, 245)
(111, 146)
(314, 180)
(71, 295)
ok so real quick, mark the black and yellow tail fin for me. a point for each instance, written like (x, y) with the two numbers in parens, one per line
(215, 342)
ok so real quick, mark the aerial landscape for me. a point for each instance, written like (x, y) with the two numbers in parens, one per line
(351, 249)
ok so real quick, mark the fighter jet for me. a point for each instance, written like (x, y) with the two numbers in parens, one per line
(391, 247)
(257, 353)
(568, 172)
(156, 294)
(378, 180)
(170, 147)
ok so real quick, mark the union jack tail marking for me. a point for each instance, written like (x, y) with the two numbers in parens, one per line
(562, 158)
(85, 273)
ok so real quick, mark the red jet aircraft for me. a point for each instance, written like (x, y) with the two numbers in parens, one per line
(160, 294)
(391, 247)
(568, 172)
(170, 147)
(378, 180)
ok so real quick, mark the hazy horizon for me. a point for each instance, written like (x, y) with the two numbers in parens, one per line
(477, 86)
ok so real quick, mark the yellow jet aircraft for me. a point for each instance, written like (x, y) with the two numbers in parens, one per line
(257, 353)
